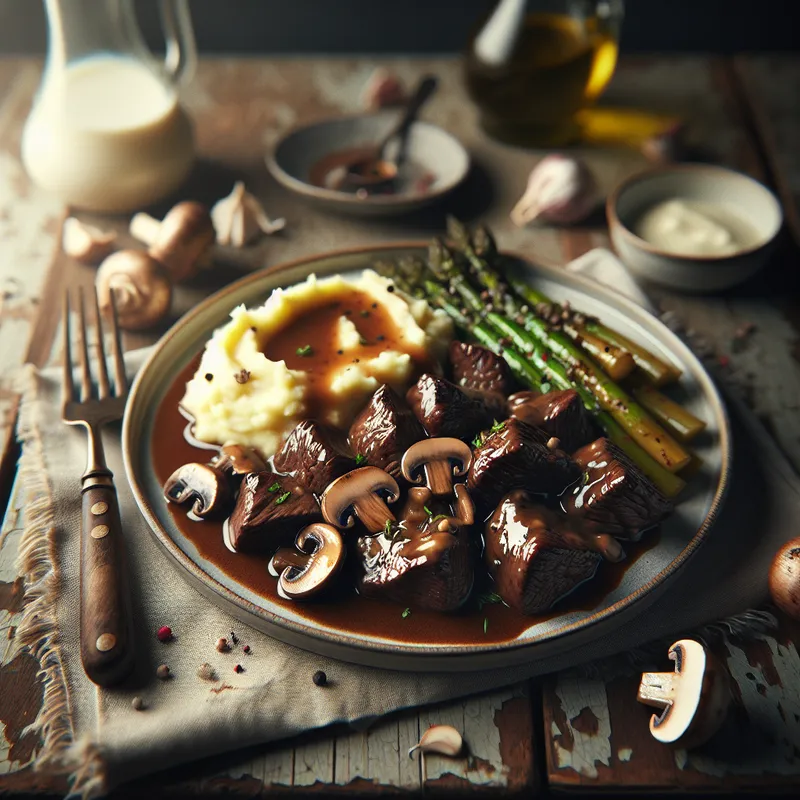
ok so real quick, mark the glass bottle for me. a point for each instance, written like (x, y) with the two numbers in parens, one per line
(106, 131)
(532, 65)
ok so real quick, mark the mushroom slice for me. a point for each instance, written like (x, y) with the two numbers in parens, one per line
(440, 459)
(304, 572)
(362, 493)
(201, 483)
(239, 460)
(694, 698)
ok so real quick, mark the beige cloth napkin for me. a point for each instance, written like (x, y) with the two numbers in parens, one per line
(97, 735)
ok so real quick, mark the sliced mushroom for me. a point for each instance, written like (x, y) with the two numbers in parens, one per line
(86, 243)
(694, 698)
(362, 493)
(203, 484)
(239, 460)
(304, 572)
(441, 459)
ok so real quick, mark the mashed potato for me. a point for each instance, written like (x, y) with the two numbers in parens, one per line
(318, 349)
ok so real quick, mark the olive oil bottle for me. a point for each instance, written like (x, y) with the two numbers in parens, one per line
(533, 64)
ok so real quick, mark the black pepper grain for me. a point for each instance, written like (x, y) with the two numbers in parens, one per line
(209, 376)
(390, 288)
(340, 352)
(320, 678)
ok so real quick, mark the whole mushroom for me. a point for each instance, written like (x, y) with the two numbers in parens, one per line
(205, 486)
(439, 459)
(693, 699)
(784, 579)
(362, 493)
(141, 286)
(303, 572)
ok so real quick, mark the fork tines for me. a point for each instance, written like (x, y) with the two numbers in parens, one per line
(111, 322)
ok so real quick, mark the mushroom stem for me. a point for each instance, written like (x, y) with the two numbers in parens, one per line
(439, 477)
(373, 512)
(289, 558)
(144, 228)
(657, 689)
(465, 508)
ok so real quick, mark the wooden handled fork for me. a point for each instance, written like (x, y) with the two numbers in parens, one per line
(106, 615)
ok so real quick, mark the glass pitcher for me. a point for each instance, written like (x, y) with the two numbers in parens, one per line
(532, 65)
(106, 131)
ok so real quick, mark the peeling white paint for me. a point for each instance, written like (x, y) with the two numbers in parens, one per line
(624, 753)
(588, 750)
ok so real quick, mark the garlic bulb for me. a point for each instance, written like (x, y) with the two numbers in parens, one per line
(240, 219)
(560, 190)
(85, 243)
(442, 739)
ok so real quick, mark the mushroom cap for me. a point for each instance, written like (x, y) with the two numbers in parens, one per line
(694, 699)
(204, 484)
(321, 563)
(344, 493)
(436, 449)
(240, 459)
(141, 286)
(784, 579)
(183, 236)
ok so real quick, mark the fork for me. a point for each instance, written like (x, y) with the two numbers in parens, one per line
(106, 619)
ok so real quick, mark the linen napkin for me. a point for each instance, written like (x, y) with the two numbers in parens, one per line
(101, 740)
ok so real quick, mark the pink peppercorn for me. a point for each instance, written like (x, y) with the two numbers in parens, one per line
(238, 668)
(164, 634)
(724, 361)
(246, 648)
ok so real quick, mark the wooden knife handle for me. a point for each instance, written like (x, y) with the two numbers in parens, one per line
(106, 615)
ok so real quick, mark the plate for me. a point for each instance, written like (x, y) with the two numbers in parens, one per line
(431, 149)
(641, 584)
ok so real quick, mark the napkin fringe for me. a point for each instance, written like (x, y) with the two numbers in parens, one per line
(38, 628)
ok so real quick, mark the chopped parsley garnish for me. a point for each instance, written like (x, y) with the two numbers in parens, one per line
(406, 613)
(305, 350)
(387, 528)
(438, 517)
(485, 624)
(545, 387)
(478, 440)
(497, 427)
(365, 313)
(360, 459)
(362, 341)
(283, 498)
(427, 511)
(275, 487)
(488, 598)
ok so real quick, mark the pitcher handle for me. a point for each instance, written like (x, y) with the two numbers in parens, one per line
(180, 59)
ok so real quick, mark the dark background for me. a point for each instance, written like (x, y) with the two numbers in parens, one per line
(425, 26)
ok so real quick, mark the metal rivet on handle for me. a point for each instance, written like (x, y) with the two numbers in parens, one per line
(99, 531)
(105, 642)
(99, 508)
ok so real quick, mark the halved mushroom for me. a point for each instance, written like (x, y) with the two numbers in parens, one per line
(440, 459)
(239, 460)
(204, 484)
(694, 699)
(304, 572)
(362, 493)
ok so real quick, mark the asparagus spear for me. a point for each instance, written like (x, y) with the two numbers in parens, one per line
(681, 422)
(628, 413)
(494, 333)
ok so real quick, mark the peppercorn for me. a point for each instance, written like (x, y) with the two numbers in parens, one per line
(137, 704)
(320, 678)
(163, 672)
(238, 668)
(164, 634)
(222, 645)
(246, 648)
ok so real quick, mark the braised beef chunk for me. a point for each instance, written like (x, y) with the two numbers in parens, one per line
(514, 455)
(445, 410)
(560, 414)
(615, 493)
(475, 367)
(270, 511)
(533, 559)
(384, 430)
(315, 454)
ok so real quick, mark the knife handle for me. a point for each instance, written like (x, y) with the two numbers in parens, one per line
(106, 614)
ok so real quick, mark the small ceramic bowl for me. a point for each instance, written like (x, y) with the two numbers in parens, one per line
(436, 157)
(740, 194)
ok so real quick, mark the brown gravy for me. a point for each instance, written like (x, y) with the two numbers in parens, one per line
(351, 612)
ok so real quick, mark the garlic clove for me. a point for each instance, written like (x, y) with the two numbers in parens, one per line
(86, 243)
(382, 90)
(560, 190)
(239, 219)
(444, 740)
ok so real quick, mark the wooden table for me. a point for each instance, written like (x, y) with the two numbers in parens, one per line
(568, 732)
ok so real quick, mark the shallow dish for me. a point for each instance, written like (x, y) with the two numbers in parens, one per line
(417, 643)
(432, 149)
(699, 182)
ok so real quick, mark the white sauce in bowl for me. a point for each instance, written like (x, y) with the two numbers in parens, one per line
(694, 228)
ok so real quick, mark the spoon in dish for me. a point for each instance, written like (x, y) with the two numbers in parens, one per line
(379, 170)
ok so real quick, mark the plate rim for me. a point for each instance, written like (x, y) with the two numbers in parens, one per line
(303, 635)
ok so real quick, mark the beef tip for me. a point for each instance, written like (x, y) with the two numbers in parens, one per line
(384, 430)
(514, 455)
(479, 369)
(270, 511)
(561, 414)
(416, 564)
(315, 455)
(615, 494)
(536, 557)
(445, 410)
